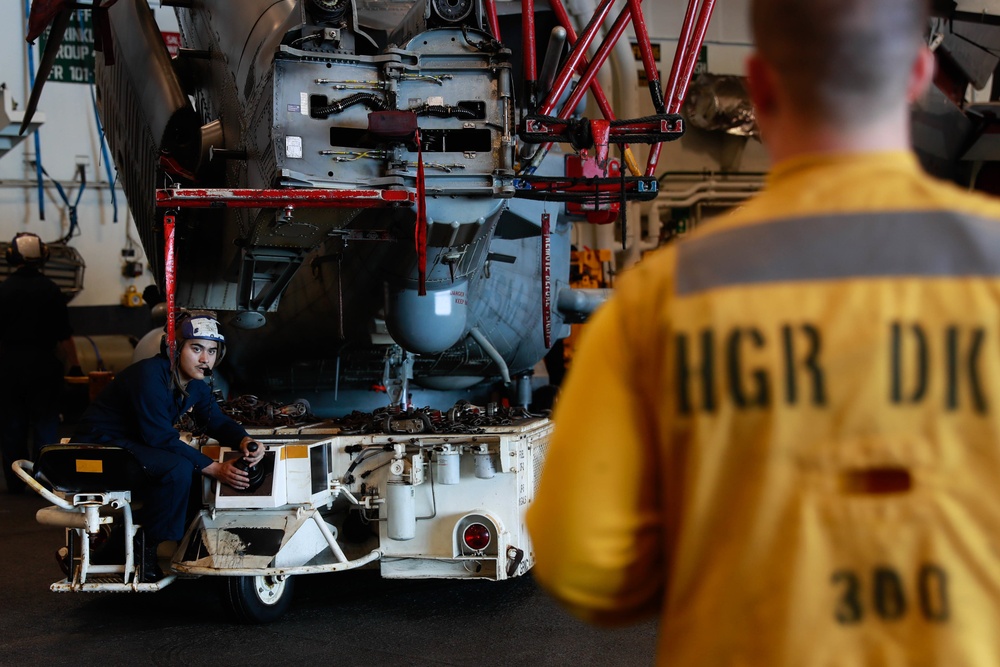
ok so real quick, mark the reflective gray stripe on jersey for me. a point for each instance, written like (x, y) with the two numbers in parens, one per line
(899, 243)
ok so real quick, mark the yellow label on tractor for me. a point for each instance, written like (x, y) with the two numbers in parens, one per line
(89, 465)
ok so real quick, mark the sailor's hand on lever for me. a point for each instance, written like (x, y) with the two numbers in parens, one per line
(252, 450)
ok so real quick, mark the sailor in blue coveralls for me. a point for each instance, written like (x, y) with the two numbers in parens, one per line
(138, 411)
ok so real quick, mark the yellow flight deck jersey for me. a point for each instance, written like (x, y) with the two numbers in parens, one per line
(783, 433)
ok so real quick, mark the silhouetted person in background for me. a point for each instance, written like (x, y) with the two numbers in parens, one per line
(35, 344)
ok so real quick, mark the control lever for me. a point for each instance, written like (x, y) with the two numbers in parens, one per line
(256, 472)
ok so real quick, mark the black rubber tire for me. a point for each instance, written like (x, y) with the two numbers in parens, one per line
(260, 599)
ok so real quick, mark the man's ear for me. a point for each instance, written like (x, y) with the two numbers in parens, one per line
(921, 74)
(760, 85)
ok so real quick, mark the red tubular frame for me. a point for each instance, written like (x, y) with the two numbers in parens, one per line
(687, 53)
(682, 40)
(603, 52)
(668, 101)
(491, 18)
(645, 47)
(685, 57)
(595, 87)
(576, 56)
(528, 56)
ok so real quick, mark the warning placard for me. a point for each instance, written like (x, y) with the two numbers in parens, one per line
(637, 53)
(700, 65)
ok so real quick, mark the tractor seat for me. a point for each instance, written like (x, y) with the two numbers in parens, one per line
(86, 468)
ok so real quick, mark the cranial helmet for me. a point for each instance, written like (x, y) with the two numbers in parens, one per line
(191, 326)
(200, 327)
(27, 248)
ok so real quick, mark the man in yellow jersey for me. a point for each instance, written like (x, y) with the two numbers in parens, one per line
(782, 434)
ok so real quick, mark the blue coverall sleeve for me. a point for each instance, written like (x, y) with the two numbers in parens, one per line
(154, 406)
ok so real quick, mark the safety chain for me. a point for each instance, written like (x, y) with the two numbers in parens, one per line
(463, 417)
(254, 412)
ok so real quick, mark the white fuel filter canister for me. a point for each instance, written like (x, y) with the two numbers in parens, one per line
(401, 505)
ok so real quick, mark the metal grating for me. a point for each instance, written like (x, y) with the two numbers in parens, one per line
(539, 448)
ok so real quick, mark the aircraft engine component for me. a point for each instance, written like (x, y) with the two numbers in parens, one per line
(296, 94)
(452, 10)
(329, 10)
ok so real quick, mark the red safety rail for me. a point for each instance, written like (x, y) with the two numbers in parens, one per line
(281, 198)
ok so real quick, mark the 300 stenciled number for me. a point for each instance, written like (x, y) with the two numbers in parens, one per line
(885, 595)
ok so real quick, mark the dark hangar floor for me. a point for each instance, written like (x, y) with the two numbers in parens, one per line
(350, 619)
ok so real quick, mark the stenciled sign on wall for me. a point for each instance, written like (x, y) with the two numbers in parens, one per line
(74, 62)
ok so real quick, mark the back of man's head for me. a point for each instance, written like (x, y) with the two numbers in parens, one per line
(27, 249)
(841, 61)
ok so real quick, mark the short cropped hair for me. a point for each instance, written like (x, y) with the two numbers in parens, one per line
(843, 61)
